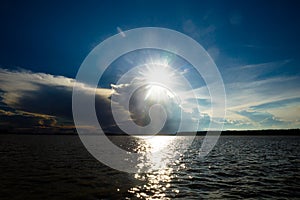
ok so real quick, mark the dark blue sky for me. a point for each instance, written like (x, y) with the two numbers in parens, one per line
(54, 37)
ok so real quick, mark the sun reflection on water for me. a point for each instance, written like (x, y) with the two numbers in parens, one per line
(158, 154)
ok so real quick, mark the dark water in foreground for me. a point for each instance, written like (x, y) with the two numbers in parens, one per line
(58, 167)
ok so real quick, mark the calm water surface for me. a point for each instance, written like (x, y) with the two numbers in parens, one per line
(59, 167)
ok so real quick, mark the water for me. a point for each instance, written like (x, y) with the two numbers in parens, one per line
(59, 167)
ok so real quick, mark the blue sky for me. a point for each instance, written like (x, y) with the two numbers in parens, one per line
(254, 44)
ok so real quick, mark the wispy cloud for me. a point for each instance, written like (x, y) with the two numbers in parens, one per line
(260, 97)
(276, 104)
(263, 119)
(252, 72)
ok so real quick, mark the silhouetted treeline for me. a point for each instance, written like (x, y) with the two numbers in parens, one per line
(71, 131)
(258, 132)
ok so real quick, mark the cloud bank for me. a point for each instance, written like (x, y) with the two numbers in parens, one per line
(42, 102)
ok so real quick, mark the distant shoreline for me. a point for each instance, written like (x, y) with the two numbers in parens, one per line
(268, 132)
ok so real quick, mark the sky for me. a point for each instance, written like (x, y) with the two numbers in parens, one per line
(254, 44)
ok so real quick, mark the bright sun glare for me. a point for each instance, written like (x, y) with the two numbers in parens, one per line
(158, 78)
(160, 73)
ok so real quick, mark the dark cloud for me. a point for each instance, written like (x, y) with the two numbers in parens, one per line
(20, 120)
(39, 101)
(49, 100)
(139, 109)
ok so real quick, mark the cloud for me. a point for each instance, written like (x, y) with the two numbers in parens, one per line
(255, 92)
(25, 120)
(138, 108)
(121, 32)
(238, 124)
(287, 109)
(250, 85)
(42, 100)
(252, 72)
(263, 119)
(250, 94)
(14, 84)
(276, 104)
(196, 112)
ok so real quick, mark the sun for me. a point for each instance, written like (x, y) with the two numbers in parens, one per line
(159, 72)
(158, 77)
